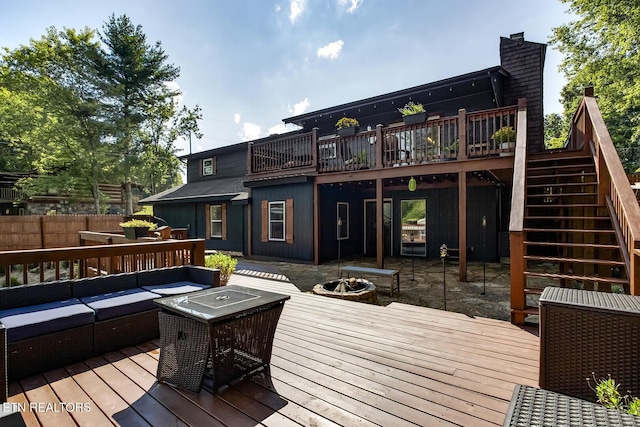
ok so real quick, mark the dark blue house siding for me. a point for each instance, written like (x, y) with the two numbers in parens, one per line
(442, 220)
(192, 216)
(230, 161)
(354, 245)
(302, 246)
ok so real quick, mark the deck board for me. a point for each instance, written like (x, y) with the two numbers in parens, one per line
(334, 363)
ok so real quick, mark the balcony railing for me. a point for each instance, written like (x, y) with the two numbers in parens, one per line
(438, 139)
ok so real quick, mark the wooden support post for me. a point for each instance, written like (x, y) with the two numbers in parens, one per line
(462, 134)
(518, 298)
(379, 224)
(314, 148)
(634, 273)
(316, 226)
(379, 147)
(462, 225)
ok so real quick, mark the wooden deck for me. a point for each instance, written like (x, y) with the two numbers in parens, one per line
(334, 363)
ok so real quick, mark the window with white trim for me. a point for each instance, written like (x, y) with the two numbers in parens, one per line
(276, 221)
(208, 167)
(216, 220)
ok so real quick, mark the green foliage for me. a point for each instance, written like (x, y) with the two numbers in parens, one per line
(412, 108)
(346, 122)
(606, 390)
(225, 263)
(81, 108)
(504, 134)
(132, 223)
(600, 49)
(556, 131)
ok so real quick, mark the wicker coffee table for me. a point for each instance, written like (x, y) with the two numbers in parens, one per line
(226, 332)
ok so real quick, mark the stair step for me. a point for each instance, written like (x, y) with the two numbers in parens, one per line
(572, 260)
(563, 195)
(567, 205)
(562, 175)
(561, 218)
(546, 157)
(598, 279)
(533, 291)
(566, 184)
(567, 230)
(571, 245)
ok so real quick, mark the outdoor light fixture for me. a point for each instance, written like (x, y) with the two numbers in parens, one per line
(443, 254)
(484, 255)
(412, 187)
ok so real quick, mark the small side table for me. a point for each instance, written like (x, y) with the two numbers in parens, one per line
(231, 327)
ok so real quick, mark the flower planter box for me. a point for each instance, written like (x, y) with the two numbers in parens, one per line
(414, 119)
(135, 232)
(348, 131)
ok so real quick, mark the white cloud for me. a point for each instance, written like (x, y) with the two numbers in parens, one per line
(236, 118)
(297, 7)
(250, 131)
(331, 51)
(352, 5)
(282, 128)
(277, 129)
(300, 107)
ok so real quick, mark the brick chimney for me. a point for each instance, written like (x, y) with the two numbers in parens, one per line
(525, 63)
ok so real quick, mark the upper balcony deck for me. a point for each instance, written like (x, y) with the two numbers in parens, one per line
(438, 139)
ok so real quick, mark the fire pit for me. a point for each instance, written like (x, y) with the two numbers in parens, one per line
(352, 289)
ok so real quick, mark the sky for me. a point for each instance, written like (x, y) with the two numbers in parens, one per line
(249, 64)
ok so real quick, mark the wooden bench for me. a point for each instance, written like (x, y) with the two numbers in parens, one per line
(376, 272)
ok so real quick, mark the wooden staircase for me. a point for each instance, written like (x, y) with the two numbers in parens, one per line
(569, 239)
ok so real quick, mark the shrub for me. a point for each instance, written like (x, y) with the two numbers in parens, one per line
(411, 108)
(504, 134)
(606, 390)
(346, 122)
(225, 263)
(138, 223)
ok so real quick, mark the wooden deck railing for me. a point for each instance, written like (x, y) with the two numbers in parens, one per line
(467, 135)
(39, 265)
(614, 190)
(516, 219)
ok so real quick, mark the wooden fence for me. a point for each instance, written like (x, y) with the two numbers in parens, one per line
(55, 231)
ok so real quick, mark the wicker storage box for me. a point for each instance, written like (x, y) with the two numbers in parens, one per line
(585, 332)
(534, 407)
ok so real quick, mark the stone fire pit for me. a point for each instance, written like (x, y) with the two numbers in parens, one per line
(352, 289)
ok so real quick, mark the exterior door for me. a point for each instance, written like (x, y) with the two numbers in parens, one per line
(370, 242)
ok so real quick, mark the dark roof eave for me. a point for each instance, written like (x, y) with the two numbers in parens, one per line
(488, 72)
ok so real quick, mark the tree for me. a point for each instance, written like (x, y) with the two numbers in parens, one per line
(555, 131)
(81, 111)
(135, 77)
(602, 48)
(59, 131)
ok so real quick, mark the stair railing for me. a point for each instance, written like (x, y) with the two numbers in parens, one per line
(613, 184)
(516, 220)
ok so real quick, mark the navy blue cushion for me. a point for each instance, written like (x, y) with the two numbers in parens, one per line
(176, 288)
(103, 284)
(121, 303)
(41, 319)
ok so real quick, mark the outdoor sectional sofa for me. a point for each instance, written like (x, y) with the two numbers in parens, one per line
(51, 324)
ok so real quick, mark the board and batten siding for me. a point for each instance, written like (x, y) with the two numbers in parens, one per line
(298, 242)
(227, 165)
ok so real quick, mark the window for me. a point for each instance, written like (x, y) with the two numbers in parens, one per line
(343, 220)
(216, 220)
(414, 227)
(276, 221)
(209, 166)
